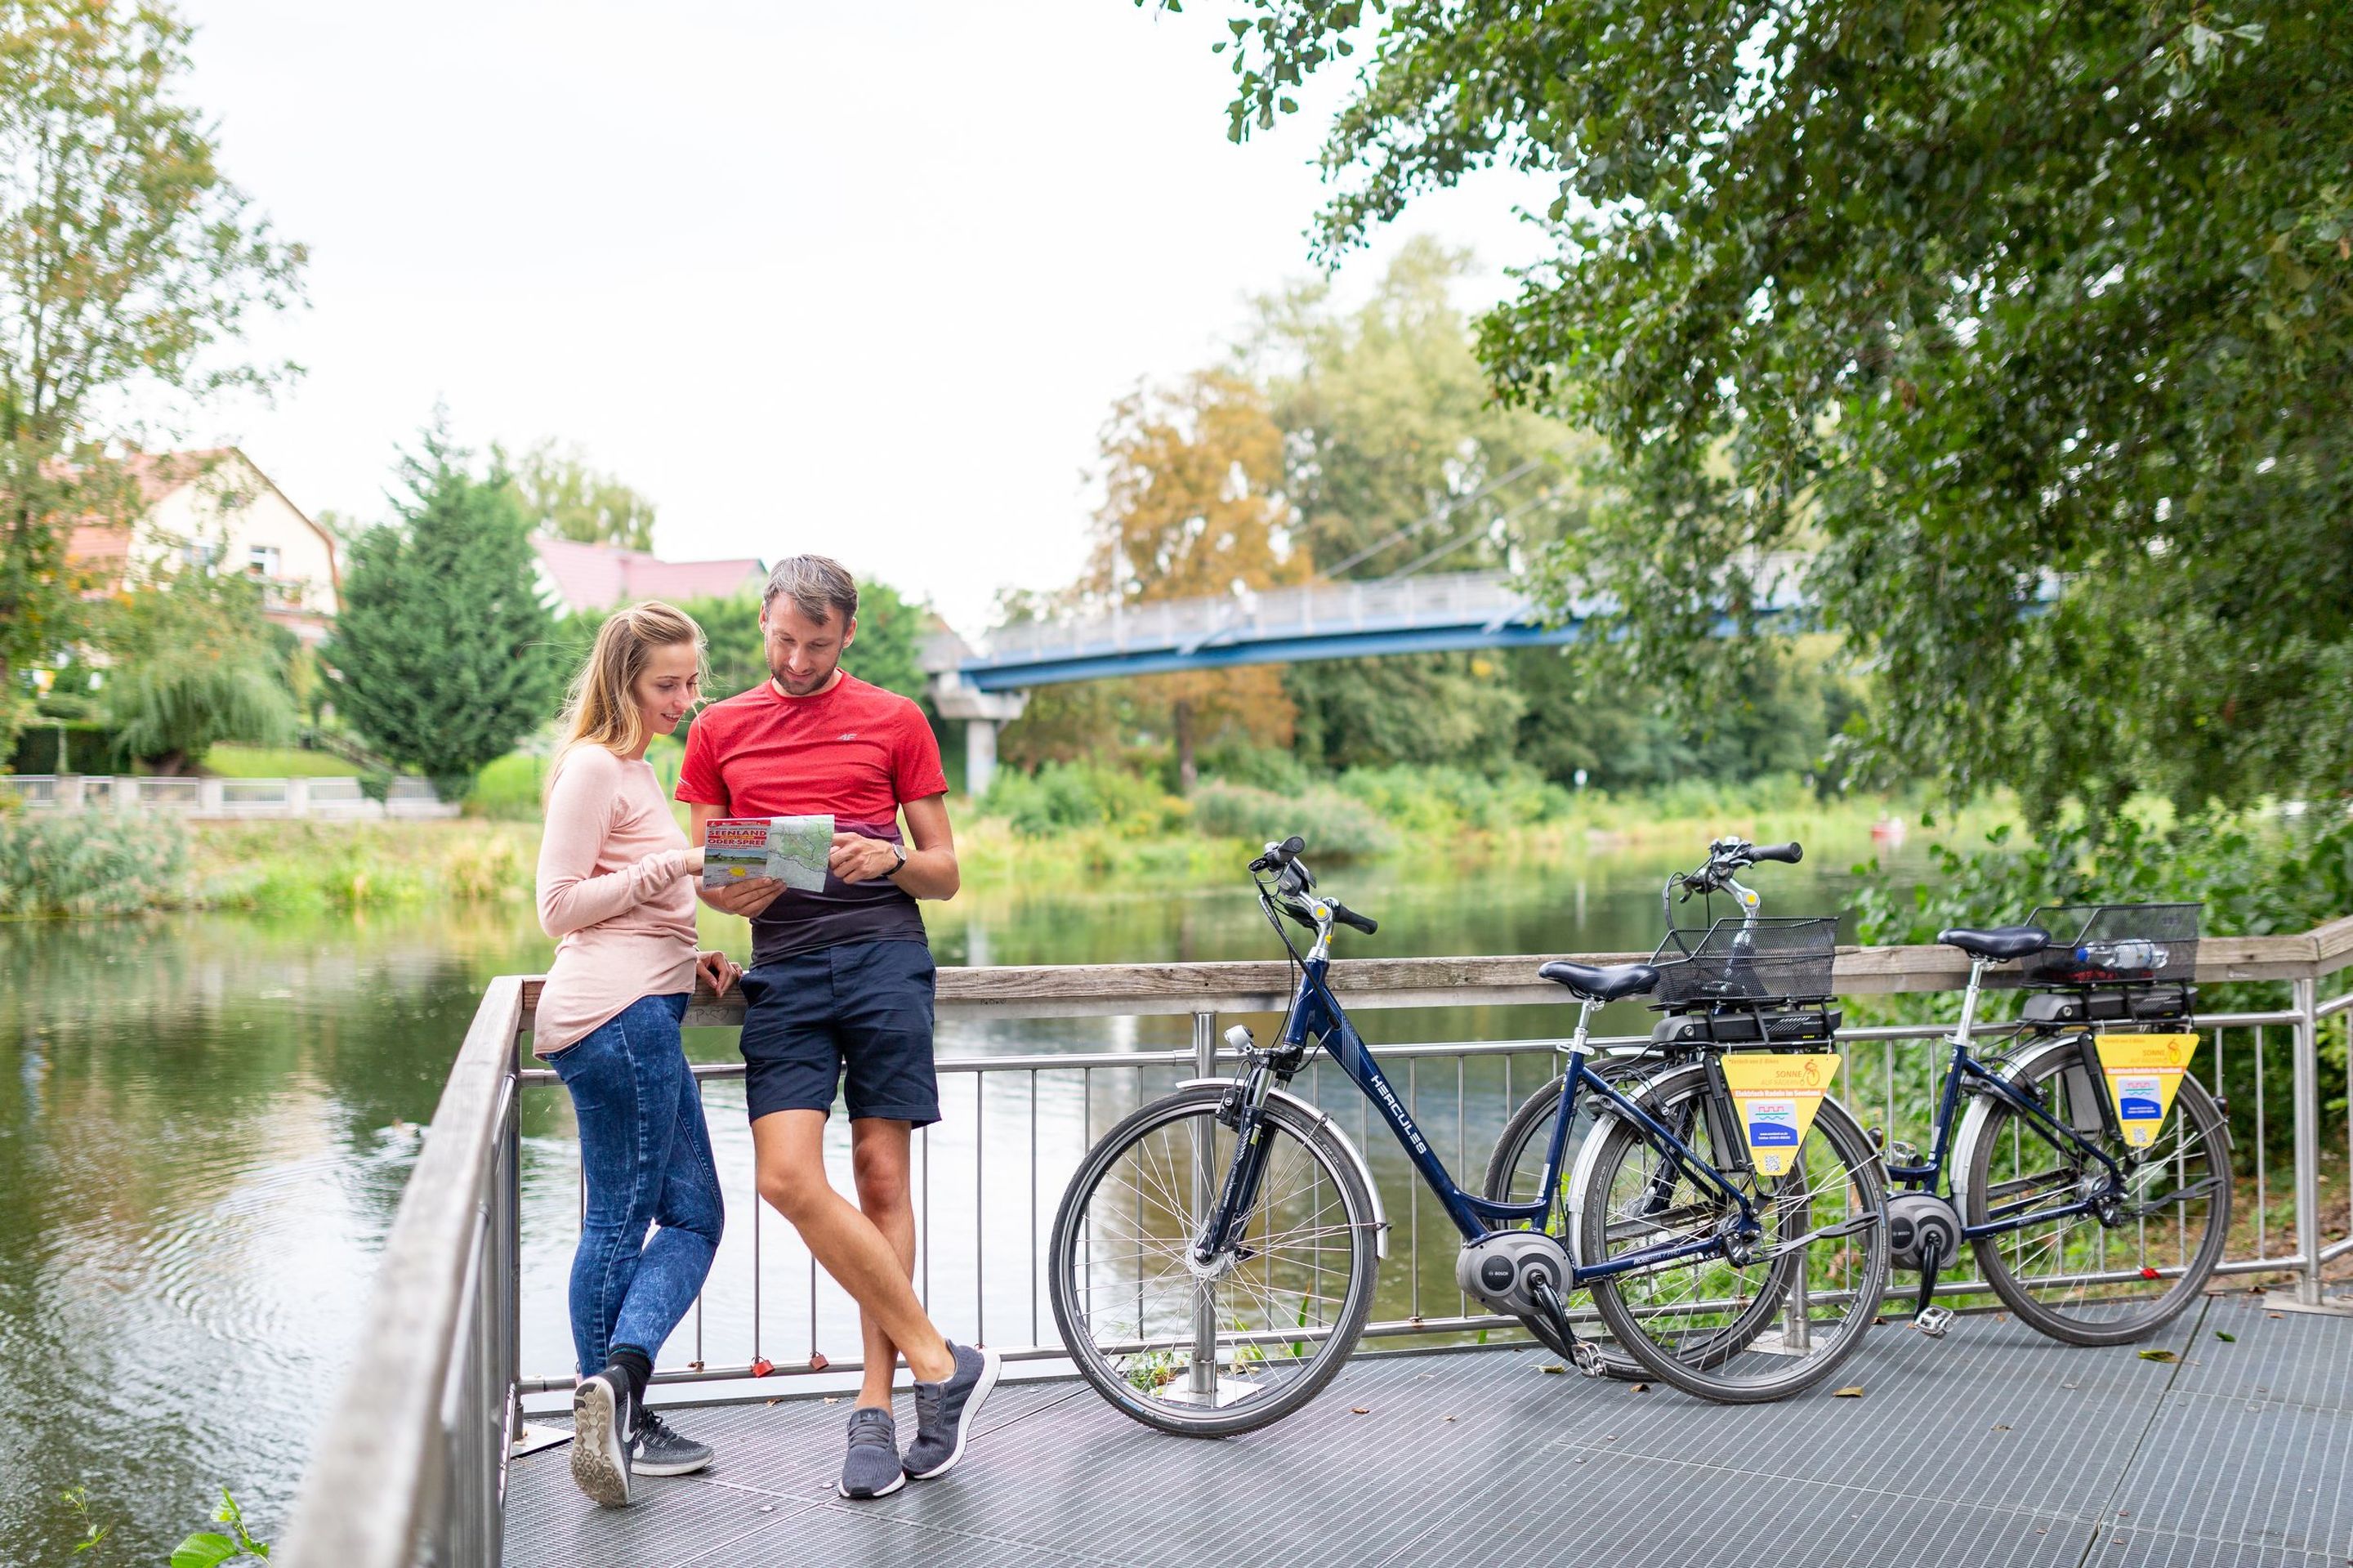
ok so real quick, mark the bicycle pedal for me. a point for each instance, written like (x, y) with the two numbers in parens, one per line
(1585, 1358)
(1934, 1320)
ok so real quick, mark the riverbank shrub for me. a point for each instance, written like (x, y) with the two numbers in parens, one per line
(1438, 802)
(92, 864)
(1063, 797)
(1336, 826)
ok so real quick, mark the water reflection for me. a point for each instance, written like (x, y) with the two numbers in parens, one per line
(210, 1120)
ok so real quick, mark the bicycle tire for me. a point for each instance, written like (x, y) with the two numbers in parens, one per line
(2197, 1126)
(1736, 1362)
(1130, 1378)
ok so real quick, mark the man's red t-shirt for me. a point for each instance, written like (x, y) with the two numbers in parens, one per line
(854, 752)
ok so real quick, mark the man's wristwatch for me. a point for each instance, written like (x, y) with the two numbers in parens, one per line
(901, 851)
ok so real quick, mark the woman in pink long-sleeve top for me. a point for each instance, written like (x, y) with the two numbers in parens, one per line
(616, 890)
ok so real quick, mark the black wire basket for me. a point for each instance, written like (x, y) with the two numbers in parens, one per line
(1772, 962)
(2115, 944)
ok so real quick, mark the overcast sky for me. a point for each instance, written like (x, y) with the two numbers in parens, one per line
(855, 278)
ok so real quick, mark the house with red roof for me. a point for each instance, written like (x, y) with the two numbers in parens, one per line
(215, 508)
(573, 577)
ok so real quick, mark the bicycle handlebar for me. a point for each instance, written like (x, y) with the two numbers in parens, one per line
(1294, 882)
(1787, 855)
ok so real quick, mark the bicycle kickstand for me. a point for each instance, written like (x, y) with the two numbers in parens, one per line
(1581, 1355)
(1931, 1320)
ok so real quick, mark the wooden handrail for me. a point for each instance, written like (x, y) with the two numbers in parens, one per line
(360, 1503)
(1044, 991)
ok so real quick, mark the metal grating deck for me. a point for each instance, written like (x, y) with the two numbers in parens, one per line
(1994, 1445)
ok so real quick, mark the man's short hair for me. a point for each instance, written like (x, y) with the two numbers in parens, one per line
(817, 586)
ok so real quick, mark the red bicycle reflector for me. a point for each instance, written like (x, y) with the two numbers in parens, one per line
(2146, 1272)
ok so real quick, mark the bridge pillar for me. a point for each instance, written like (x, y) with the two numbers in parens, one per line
(979, 755)
(982, 711)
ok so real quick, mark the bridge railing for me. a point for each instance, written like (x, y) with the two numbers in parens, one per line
(1445, 599)
(412, 1468)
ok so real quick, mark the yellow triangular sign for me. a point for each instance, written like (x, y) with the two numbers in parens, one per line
(1777, 1096)
(2143, 1071)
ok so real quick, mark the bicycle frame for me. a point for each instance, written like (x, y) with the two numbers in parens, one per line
(1965, 1068)
(1316, 1017)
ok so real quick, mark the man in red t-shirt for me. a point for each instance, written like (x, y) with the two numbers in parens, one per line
(841, 985)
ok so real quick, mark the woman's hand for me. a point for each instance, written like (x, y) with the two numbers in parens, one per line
(717, 971)
(694, 861)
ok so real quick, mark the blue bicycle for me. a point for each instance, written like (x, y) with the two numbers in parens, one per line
(1217, 1254)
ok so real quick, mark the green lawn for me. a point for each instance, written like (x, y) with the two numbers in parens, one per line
(270, 762)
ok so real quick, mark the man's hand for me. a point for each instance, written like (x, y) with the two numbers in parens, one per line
(857, 858)
(748, 897)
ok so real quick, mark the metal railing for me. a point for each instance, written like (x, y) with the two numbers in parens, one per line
(413, 1469)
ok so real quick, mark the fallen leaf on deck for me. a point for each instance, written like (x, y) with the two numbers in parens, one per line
(1852, 1391)
(2001, 1426)
(1552, 1367)
(2226, 1338)
(1642, 1388)
(2156, 1355)
(1360, 1410)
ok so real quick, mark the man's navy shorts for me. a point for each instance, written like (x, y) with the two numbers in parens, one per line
(859, 1010)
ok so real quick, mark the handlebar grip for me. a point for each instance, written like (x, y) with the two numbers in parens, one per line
(1787, 855)
(1347, 917)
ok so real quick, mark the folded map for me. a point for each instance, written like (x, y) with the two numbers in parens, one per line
(793, 850)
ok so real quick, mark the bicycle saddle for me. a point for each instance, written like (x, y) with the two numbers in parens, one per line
(1599, 982)
(1997, 942)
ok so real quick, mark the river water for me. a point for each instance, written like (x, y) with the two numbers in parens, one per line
(209, 1118)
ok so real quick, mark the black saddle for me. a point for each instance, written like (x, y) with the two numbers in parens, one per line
(1997, 942)
(1601, 983)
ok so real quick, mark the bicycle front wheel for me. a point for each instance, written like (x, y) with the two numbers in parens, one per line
(1205, 1350)
(2099, 1278)
(1744, 1330)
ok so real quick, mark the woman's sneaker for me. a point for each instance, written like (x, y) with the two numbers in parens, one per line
(871, 1468)
(661, 1451)
(601, 1438)
(945, 1411)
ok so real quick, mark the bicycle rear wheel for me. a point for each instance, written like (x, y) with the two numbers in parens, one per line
(2081, 1278)
(1737, 1332)
(1206, 1352)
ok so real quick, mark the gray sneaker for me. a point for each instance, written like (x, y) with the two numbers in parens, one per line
(872, 1469)
(945, 1411)
(601, 1419)
(663, 1451)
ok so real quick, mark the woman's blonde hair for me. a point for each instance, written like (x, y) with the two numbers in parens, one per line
(601, 709)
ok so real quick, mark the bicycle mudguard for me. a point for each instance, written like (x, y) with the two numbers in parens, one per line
(1317, 1115)
(1651, 1088)
(1982, 1108)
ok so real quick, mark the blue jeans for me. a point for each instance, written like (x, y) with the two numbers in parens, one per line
(645, 1153)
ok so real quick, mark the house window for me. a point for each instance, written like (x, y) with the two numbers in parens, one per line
(261, 561)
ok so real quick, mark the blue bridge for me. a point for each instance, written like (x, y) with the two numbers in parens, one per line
(1438, 612)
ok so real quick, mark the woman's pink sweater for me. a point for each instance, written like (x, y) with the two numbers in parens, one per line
(615, 893)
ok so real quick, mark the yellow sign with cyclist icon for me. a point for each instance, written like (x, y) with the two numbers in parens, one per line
(2143, 1071)
(1777, 1097)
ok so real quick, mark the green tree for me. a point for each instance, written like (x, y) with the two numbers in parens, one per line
(195, 664)
(559, 493)
(1398, 459)
(127, 263)
(2031, 325)
(446, 654)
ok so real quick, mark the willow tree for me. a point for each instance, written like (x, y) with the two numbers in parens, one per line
(129, 265)
(2031, 325)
